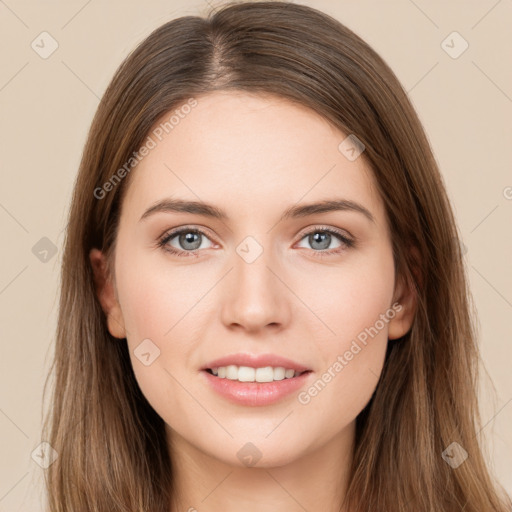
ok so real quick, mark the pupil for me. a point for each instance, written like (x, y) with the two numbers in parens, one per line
(322, 238)
(188, 238)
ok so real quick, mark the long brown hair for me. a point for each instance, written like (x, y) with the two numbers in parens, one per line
(111, 444)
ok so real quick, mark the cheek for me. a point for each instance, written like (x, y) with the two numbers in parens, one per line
(351, 297)
(157, 302)
(163, 302)
(157, 296)
(356, 306)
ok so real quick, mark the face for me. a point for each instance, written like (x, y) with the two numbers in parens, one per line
(315, 286)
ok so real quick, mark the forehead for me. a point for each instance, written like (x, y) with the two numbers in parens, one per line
(248, 152)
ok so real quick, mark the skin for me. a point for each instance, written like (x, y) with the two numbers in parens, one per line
(254, 156)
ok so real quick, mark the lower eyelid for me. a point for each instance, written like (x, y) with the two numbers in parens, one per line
(166, 238)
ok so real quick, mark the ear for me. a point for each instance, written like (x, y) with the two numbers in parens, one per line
(405, 295)
(106, 294)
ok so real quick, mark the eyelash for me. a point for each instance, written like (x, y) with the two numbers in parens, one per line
(162, 242)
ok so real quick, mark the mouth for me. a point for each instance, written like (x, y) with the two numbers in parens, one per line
(248, 367)
(251, 374)
(262, 386)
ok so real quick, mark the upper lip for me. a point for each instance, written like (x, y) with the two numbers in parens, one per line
(256, 361)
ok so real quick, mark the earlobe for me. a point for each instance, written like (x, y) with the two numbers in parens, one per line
(406, 295)
(106, 294)
(400, 324)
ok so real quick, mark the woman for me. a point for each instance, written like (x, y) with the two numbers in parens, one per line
(216, 375)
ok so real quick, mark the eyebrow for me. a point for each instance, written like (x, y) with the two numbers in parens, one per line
(173, 205)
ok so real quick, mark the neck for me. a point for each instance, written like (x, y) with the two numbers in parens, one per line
(315, 480)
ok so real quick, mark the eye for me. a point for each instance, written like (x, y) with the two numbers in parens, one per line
(321, 239)
(184, 242)
(187, 239)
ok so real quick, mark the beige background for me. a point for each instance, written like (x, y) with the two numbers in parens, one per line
(465, 104)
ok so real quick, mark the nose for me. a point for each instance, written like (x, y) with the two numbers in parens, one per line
(255, 296)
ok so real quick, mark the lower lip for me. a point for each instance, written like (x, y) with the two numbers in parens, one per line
(255, 393)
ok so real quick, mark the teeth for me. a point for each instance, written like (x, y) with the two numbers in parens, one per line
(248, 374)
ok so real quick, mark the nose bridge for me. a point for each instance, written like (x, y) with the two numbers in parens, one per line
(256, 297)
(252, 261)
